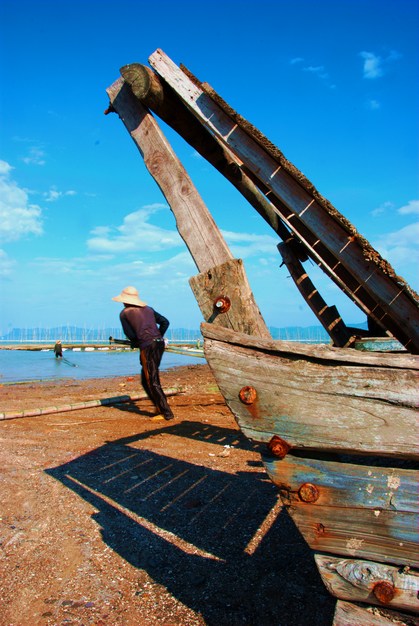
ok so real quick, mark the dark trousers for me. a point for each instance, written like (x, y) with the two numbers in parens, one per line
(150, 358)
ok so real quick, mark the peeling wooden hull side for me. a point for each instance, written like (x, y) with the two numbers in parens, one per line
(318, 398)
(348, 477)
(362, 511)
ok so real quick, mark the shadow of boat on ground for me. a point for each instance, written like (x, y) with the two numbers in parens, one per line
(220, 543)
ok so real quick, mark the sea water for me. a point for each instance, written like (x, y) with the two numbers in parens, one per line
(27, 365)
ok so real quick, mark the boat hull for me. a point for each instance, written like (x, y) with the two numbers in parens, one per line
(336, 431)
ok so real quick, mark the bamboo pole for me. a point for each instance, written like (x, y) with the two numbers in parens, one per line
(89, 404)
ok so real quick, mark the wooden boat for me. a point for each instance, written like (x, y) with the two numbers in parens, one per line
(338, 421)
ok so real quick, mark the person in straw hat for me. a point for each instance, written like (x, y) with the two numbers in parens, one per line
(145, 328)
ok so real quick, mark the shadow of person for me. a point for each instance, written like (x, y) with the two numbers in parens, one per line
(218, 542)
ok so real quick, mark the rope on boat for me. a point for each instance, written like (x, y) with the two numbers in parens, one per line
(89, 404)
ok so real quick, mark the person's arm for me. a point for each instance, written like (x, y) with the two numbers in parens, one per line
(162, 322)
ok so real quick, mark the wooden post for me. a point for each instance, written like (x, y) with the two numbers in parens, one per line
(194, 222)
(225, 299)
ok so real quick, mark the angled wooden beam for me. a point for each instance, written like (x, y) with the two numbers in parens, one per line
(156, 95)
(328, 316)
(352, 263)
(194, 222)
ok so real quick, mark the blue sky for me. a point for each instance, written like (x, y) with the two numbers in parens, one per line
(332, 83)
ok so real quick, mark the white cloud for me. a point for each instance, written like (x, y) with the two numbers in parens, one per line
(382, 209)
(5, 168)
(411, 208)
(36, 156)
(246, 245)
(53, 194)
(317, 70)
(373, 105)
(136, 233)
(401, 247)
(374, 65)
(17, 216)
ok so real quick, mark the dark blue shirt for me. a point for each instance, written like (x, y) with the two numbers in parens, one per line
(142, 325)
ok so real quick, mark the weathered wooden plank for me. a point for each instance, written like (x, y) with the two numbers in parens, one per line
(348, 614)
(319, 403)
(318, 352)
(344, 484)
(194, 222)
(394, 301)
(377, 507)
(392, 537)
(227, 283)
(359, 581)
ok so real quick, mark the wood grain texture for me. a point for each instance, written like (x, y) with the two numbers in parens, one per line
(345, 587)
(229, 279)
(318, 397)
(343, 484)
(391, 537)
(348, 614)
(194, 222)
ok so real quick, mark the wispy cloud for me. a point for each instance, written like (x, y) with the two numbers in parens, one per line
(374, 65)
(373, 105)
(246, 245)
(36, 156)
(382, 209)
(316, 70)
(18, 217)
(53, 194)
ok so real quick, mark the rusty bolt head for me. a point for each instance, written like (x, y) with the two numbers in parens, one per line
(308, 492)
(248, 395)
(384, 591)
(222, 304)
(278, 447)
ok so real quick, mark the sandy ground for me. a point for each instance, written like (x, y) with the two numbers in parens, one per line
(110, 517)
